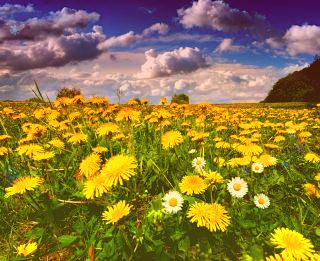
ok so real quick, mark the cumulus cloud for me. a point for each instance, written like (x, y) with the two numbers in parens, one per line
(53, 51)
(7, 10)
(182, 60)
(218, 83)
(304, 39)
(226, 45)
(126, 39)
(57, 23)
(131, 37)
(184, 85)
(160, 28)
(218, 15)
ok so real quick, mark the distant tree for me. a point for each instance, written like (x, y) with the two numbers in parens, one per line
(68, 92)
(180, 98)
(34, 99)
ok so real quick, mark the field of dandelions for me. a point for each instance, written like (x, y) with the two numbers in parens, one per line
(87, 180)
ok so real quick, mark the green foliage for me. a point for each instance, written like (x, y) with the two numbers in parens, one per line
(180, 98)
(34, 99)
(300, 86)
(68, 92)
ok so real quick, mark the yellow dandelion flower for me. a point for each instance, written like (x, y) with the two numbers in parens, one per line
(43, 155)
(98, 100)
(279, 138)
(192, 185)
(213, 177)
(317, 177)
(119, 168)
(4, 151)
(311, 190)
(212, 216)
(133, 102)
(163, 101)
(5, 137)
(249, 149)
(27, 249)
(277, 257)
(119, 136)
(267, 160)
(116, 212)
(108, 129)
(30, 149)
(56, 143)
(312, 157)
(293, 243)
(171, 139)
(77, 138)
(22, 184)
(305, 134)
(128, 114)
(271, 146)
(223, 145)
(90, 165)
(100, 149)
(95, 187)
(219, 161)
(144, 101)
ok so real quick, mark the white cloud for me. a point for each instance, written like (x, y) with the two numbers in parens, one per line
(160, 28)
(184, 85)
(126, 39)
(303, 39)
(131, 37)
(218, 15)
(182, 60)
(226, 45)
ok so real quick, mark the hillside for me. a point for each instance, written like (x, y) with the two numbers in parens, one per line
(299, 86)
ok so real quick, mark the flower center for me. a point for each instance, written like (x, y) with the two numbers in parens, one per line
(257, 167)
(236, 186)
(198, 162)
(173, 202)
(261, 201)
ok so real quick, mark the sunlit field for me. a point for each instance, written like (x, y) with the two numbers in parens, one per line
(87, 180)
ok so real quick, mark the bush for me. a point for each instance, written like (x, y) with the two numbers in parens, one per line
(180, 99)
(68, 92)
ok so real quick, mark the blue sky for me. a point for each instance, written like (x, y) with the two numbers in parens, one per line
(218, 51)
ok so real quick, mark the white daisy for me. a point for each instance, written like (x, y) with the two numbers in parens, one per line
(257, 167)
(173, 201)
(198, 163)
(261, 201)
(237, 187)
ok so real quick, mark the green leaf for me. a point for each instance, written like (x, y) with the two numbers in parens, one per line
(35, 233)
(256, 252)
(66, 240)
(318, 232)
(248, 224)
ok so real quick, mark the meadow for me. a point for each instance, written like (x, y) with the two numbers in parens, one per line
(88, 180)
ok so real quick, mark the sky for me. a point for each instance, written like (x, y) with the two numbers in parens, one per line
(214, 51)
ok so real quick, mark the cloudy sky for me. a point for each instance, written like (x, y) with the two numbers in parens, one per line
(215, 51)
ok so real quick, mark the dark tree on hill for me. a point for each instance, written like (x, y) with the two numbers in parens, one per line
(180, 98)
(68, 92)
(300, 86)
